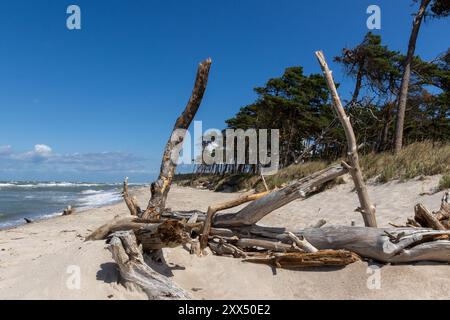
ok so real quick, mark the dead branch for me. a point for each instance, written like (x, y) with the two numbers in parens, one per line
(426, 219)
(160, 188)
(258, 209)
(302, 243)
(303, 260)
(367, 208)
(131, 202)
(223, 206)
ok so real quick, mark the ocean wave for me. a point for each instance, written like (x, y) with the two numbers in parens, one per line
(90, 191)
(53, 184)
(95, 200)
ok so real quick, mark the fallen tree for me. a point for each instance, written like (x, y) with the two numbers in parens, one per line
(239, 235)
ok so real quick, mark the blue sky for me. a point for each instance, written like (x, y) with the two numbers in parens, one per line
(99, 103)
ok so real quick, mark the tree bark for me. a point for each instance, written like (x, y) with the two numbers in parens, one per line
(403, 95)
(367, 209)
(160, 188)
(331, 258)
(152, 234)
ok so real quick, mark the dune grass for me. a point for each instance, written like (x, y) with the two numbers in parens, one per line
(415, 160)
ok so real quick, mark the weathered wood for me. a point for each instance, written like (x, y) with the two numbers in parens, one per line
(118, 224)
(426, 219)
(222, 248)
(394, 245)
(319, 224)
(68, 211)
(131, 202)
(277, 246)
(135, 272)
(152, 234)
(302, 243)
(322, 258)
(160, 188)
(258, 209)
(367, 209)
(212, 210)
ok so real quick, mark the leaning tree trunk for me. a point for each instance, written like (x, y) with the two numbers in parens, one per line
(367, 209)
(403, 95)
(160, 188)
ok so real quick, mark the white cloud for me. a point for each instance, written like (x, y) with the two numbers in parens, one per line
(43, 159)
(42, 149)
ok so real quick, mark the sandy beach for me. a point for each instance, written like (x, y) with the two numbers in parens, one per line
(36, 260)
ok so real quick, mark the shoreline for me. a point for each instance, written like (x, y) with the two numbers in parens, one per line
(38, 217)
(38, 260)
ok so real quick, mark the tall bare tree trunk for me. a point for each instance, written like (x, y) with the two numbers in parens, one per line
(160, 188)
(367, 209)
(403, 96)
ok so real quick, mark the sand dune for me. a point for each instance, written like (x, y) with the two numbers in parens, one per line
(37, 261)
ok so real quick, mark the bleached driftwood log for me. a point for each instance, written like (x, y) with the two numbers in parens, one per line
(135, 272)
(258, 209)
(367, 209)
(394, 245)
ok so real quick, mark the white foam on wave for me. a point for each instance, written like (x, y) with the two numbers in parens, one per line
(99, 199)
(90, 191)
(25, 185)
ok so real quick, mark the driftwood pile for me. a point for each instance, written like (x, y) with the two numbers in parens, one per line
(424, 218)
(239, 235)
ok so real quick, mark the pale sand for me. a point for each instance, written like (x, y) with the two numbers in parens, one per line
(34, 258)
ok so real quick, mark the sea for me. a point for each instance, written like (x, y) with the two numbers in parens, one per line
(40, 200)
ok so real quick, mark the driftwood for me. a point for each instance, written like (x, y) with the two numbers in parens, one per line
(439, 220)
(322, 258)
(394, 245)
(238, 235)
(319, 224)
(151, 234)
(160, 188)
(212, 210)
(426, 219)
(367, 209)
(135, 272)
(130, 201)
(302, 243)
(68, 211)
(258, 209)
